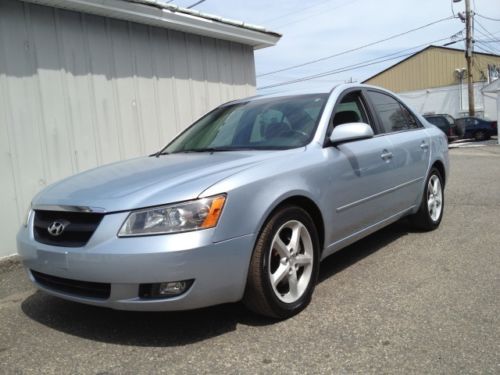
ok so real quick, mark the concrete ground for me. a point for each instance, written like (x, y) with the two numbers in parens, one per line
(396, 302)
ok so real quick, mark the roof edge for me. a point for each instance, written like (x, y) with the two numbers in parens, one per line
(421, 51)
(160, 14)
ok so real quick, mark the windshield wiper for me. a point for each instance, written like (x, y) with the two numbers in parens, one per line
(161, 152)
(213, 149)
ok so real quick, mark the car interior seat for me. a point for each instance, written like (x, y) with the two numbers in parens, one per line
(345, 117)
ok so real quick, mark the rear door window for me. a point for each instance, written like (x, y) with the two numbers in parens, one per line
(393, 116)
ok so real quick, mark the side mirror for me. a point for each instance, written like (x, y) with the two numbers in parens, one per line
(352, 131)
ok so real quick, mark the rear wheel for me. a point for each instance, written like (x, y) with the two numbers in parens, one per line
(284, 266)
(431, 209)
(480, 135)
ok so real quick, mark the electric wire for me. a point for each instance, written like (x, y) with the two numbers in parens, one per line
(486, 50)
(488, 18)
(484, 29)
(301, 10)
(349, 2)
(354, 49)
(362, 64)
(486, 34)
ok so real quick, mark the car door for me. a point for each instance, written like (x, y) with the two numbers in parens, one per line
(358, 174)
(410, 148)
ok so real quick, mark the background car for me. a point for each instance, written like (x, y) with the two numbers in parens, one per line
(474, 127)
(446, 123)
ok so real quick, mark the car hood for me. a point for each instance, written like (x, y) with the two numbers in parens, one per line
(150, 181)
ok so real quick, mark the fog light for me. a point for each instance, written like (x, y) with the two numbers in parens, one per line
(172, 288)
(164, 290)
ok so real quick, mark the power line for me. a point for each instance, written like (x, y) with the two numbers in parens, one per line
(347, 68)
(487, 18)
(354, 49)
(195, 4)
(484, 46)
(488, 34)
(484, 28)
(349, 2)
(486, 50)
(295, 11)
(355, 66)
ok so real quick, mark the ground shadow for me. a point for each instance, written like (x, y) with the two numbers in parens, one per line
(159, 329)
(137, 328)
(346, 257)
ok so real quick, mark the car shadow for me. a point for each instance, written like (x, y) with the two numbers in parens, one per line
(163, 329)
(363, 248)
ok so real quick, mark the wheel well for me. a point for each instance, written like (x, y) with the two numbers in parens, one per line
(440, 167)
(312, 209)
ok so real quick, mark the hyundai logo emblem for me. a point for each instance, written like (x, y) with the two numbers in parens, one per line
(57, 227)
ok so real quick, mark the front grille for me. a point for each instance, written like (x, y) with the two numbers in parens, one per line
(75, 287)
(79, 227)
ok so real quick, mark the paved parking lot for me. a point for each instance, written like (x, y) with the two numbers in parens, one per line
(396, 302)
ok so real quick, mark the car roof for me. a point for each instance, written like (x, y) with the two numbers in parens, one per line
(299, 92)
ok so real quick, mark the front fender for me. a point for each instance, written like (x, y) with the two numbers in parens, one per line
(253, 194)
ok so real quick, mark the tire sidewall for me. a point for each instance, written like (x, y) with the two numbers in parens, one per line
(284, 215)
(432, 223)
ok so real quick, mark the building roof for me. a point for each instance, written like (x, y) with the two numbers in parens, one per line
(159, 13)
(433, 66)
(421, 51)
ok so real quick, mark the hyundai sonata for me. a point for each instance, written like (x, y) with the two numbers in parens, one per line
(242, 205)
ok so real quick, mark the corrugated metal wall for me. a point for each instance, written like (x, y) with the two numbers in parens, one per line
(77, 91)
(434, 67)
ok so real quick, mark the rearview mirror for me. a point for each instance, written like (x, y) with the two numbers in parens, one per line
(352, 131)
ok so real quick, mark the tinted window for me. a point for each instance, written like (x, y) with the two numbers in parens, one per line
(440, 122)
(390, 112)
(412, 121)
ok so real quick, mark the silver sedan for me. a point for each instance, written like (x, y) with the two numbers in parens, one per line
(243, 205)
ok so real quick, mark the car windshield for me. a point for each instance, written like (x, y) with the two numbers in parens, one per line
(263, 124)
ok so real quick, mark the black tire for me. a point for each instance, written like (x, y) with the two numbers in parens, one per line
(422, 219)
(260, 297)
(480, 135)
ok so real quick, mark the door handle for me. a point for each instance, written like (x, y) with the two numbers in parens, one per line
(386, 155)
(424, 145)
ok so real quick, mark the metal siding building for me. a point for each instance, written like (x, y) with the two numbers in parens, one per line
(432, 67)
(79, 90)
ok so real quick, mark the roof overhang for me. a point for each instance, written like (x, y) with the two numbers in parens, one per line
(160, 14)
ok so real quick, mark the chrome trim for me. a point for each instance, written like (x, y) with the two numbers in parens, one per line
(50, 207)
(363, 200)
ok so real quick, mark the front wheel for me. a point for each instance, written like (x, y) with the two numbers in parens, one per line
(284, 266)
(431, 209)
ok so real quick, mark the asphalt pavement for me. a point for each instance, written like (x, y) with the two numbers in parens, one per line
(398, 301)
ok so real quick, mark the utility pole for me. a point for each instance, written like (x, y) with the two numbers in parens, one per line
(468, 56)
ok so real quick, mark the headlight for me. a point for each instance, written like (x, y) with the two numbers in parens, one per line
(27, 217)
(181, 217)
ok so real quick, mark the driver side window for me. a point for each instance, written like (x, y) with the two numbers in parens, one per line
(350, 109)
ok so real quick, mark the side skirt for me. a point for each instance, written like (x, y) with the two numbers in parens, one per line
(340, 244)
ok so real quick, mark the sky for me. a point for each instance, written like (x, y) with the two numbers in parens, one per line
(318, 28)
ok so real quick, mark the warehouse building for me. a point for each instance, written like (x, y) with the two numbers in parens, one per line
(434, 80)
(88, 82)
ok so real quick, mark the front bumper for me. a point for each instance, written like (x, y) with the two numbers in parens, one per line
(219, 269)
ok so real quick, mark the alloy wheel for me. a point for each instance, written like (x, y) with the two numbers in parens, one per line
(434, 198)
(291, 261)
